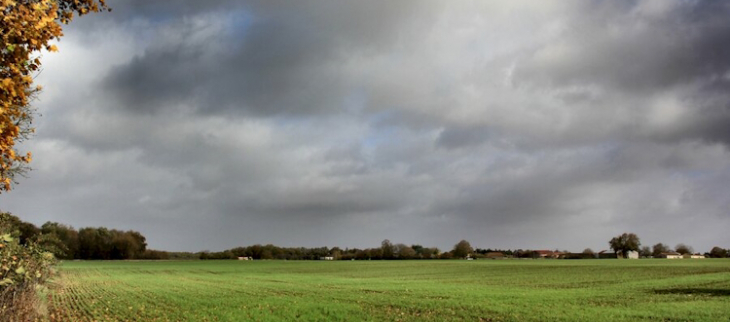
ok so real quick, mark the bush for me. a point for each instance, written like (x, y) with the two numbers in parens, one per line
(24, 268)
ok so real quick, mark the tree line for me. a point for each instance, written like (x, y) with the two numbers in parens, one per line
(65, 242)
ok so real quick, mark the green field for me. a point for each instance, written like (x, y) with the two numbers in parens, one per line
(485, 290)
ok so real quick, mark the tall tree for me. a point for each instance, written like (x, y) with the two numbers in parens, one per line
(625, 243)
(645, 251)
(683, 249)
(67, 235)
(658, 249)
(26, 28)
(387, 250)
(718, 252)
(462, 249)
(404, 251)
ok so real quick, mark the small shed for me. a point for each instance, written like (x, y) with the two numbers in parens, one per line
(632, 255)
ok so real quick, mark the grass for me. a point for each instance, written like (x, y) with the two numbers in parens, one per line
(485, 290)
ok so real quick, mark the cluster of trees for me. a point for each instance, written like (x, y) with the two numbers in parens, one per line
(482, 251)
(627, 242)
(87, 243)
(718, 252)
(660, 248)
(387, 250)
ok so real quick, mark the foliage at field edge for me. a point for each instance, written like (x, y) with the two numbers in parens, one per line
(26, 28)
(25, 265)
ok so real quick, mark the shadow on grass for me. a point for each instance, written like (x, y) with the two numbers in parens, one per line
(694, 291)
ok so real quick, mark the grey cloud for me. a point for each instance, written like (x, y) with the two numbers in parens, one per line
(627, 48)
(642, 50)
(345, 123)
(462, 137)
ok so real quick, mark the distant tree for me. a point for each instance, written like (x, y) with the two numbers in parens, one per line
(255, 251)
(418, 249)
(645, 251)
(430, 252)
(387, 250)
(26, 231)
(67, 235)
(462, 249)
(658, 249)
(718, 252)
(94, 243)
(336, 252)
(625, 243)
(123, 246)
(588, 251)
(404, 251)
(683, 249)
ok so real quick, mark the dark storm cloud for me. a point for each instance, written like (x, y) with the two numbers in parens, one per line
(644, 49)
(283, 58)
(511, 124)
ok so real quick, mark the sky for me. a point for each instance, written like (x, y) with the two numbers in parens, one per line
(207, 125)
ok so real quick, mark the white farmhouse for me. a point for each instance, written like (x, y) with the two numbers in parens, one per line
(670, 255)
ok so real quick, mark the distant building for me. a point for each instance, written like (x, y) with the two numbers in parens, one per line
(244, 258)
(327, 258)
(670, 255)
(631, 255)
(544, 253)
(695, 256)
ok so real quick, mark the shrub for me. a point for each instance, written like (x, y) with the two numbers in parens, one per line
(23, 271)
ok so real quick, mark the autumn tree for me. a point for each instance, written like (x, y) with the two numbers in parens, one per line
(625, 243)
(26, 28)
